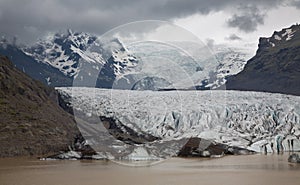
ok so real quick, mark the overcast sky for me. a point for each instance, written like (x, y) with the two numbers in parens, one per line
(213, 21)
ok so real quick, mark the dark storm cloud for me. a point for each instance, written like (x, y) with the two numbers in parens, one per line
(30, 19)
(248, 19)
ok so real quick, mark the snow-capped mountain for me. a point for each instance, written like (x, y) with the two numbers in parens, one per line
(250, 120)
(62, 51)
(83, 56)
(114, 64)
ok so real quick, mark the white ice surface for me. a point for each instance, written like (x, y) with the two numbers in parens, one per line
(140, 154)
(245, 119)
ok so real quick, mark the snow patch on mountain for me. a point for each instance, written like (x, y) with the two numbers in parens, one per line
(281, 37)
(289, 33)
(231, 62)
(124, 61)
(277, 37)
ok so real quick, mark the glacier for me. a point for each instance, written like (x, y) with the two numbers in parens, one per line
(262, 122)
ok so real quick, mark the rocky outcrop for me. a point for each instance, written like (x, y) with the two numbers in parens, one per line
(31, 122)
(294, 158)
(197, 147)
(275, 67)
(123, 133)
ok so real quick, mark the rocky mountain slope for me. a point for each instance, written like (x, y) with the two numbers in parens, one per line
(275, 67)
(31, 122)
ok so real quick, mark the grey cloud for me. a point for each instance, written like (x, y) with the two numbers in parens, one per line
(248, 19)
(233, 37)
(295, 3)
(30, 19)
(179, 8)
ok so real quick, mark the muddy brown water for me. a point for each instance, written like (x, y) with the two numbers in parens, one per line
(231, 170)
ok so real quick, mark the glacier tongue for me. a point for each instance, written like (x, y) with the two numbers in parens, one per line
(252, 120)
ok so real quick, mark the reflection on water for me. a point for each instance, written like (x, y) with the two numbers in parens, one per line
(252, 169)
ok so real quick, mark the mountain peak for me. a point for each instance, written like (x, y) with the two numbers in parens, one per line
(280, 39)
(275, 67)
(62, 50)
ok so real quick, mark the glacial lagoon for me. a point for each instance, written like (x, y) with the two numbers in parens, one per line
(245, 169)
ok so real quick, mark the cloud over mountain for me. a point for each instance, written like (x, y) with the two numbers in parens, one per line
(31, 19)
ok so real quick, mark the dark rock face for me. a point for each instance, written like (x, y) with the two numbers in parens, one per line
(106, 76)
(197, 147)
(294, 158)
(126, 134)
(31, 122)
(275, 67)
